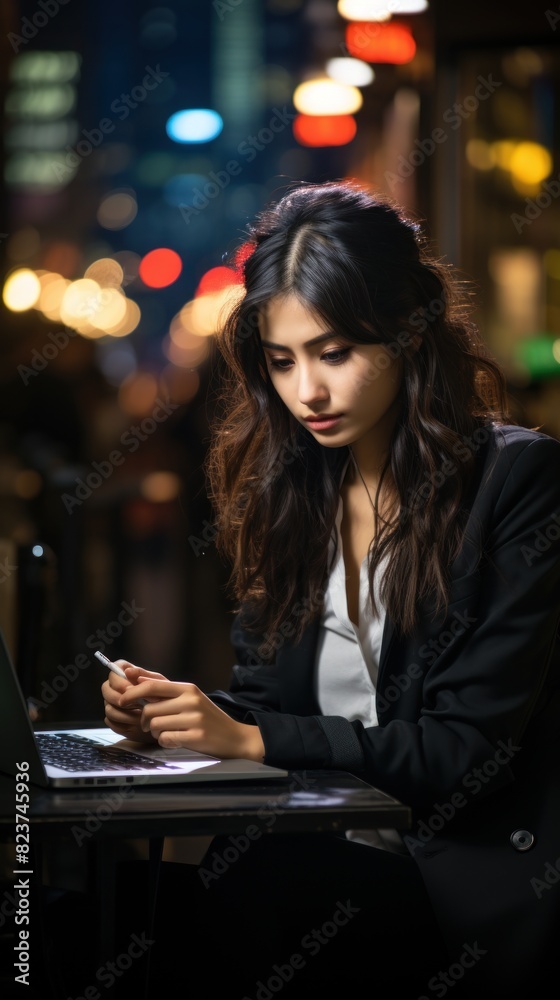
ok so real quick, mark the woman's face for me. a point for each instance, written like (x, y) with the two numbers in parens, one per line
(356, 384)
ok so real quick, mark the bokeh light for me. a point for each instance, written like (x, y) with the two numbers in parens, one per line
(378, 10)
(380, 43)
(351, 71)
(530, 162)
(160, 487)
(21, 289)
(138, 393)
(106, 271)
(117, 210)
(53, 287)
(194, 125)
(160, 267)
(216, 279)
(324, 130)
(326, 97)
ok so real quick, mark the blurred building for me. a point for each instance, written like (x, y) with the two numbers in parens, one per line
(138, 141)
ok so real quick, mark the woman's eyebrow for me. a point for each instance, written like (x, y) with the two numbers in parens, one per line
(307, 343)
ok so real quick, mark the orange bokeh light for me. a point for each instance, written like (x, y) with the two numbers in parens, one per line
(375, 42)
(160, 268)
(324, 130)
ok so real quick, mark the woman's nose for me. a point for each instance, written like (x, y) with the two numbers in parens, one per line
(311, 387)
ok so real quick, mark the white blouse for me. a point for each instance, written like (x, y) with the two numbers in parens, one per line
(347, 661)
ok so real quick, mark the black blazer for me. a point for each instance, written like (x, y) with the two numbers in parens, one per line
(469, 720)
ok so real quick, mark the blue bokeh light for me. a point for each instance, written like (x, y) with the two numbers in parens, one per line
(195, 125)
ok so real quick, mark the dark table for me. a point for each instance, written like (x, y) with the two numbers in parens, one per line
(304, 801)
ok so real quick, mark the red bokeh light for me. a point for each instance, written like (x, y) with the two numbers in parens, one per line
(380, 43)
(160, 267)
(324, 130)
(216, 279)
(242, 254)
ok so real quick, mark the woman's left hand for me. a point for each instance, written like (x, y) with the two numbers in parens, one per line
(185, 717)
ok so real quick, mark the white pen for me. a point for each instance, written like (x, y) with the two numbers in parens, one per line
(116, 669)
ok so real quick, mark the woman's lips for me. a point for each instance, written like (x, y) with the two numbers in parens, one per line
(323, 423)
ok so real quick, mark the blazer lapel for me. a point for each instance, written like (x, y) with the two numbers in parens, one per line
(295, 669)
(387, 643)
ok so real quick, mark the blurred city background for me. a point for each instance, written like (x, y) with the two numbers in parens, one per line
(138, 142)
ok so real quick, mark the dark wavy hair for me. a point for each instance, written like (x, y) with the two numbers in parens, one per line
(367, 270)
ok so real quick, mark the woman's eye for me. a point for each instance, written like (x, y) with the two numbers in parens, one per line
(335, 357)
(280, 363)
(331, 357)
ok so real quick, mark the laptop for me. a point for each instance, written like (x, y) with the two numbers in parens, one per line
(90, 757)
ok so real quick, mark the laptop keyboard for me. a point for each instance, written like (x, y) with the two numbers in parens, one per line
(78, 753)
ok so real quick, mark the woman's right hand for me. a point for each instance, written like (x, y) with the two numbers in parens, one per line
(126, 721)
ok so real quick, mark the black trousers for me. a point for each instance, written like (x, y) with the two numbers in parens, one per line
(286, 913)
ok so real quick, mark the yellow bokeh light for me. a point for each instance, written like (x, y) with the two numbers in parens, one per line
(21, 290)
(129, 321)
(206, 314)
(530, 162)
(53, 287)
(80, 303)
(502, 151)
(324, 96)
(111, 311)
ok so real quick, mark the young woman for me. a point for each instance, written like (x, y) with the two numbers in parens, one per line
(393, 537)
